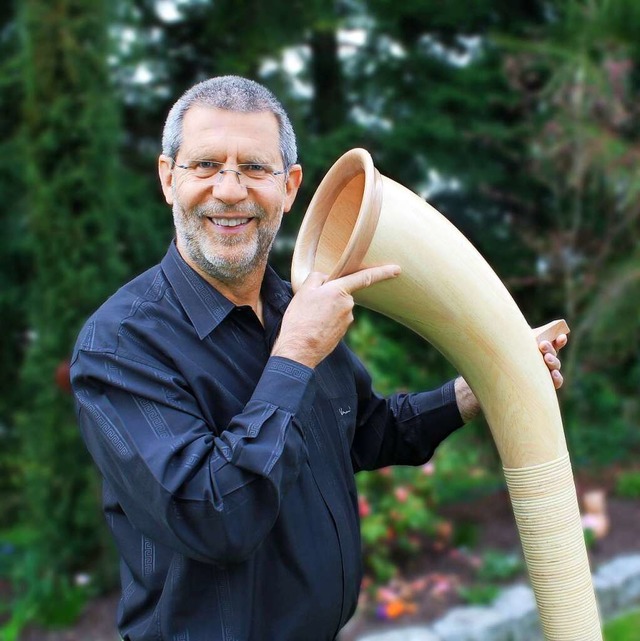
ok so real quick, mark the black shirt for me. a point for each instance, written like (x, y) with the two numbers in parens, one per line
(229, 473)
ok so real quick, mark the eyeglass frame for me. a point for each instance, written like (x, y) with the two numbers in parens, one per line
(221, 172)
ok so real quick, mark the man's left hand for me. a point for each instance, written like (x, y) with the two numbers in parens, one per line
(468, 403)
(549, 352)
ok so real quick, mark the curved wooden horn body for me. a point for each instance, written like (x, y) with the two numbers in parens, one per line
(450, 296)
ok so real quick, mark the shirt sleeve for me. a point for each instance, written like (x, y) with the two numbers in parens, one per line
(402, 429)
(211, 497)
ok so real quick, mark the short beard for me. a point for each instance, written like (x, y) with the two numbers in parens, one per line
(194, 240)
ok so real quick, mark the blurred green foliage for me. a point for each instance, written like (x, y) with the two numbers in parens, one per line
(518, 120)
(499, 566)
(624, 628)
(494, 569)
(53, 600)
(628, 485)
(397, 512)
(479, 593)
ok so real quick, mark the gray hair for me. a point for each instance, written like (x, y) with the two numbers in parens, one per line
(232, 93)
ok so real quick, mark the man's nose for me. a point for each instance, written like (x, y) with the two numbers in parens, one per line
(229, 188)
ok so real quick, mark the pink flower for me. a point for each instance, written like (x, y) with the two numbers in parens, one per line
(589, 522)
(386, 594)
(428, 469)
(442, 586)
(402, 493)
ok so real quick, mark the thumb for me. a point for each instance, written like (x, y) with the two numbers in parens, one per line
(315, 279)
(367, 277)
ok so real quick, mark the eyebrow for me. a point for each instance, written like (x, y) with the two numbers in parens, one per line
(257, 157)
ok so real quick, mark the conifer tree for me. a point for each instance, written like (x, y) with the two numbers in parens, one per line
(14, 260)
(70, 164)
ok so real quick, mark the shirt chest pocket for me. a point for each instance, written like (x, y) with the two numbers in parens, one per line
(344, 412)
(339, 423)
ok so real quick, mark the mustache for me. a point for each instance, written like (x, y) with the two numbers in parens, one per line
(211, 210)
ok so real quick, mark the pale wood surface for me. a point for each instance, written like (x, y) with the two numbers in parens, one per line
(551, 331)
(449, 295)
(546, 510)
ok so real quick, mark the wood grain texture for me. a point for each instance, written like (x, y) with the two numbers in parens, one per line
(448, 294)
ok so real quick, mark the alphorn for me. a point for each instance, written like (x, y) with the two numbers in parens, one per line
(448, 294)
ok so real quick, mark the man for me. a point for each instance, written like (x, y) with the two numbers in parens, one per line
(226, 416)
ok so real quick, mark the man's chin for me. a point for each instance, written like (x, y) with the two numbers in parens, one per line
(227, 261)
(231, 270)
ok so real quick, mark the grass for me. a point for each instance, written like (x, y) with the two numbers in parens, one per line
(625, 628)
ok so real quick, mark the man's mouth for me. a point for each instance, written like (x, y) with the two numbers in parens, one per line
(229, 222)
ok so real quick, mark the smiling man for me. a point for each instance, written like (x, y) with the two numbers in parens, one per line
(226, 415)
(227, 238)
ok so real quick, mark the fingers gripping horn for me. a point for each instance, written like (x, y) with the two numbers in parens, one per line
(449, 295)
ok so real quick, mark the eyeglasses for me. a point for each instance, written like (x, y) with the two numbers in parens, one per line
(250, 175)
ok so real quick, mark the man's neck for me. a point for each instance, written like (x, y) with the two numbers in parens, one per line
(244, 291)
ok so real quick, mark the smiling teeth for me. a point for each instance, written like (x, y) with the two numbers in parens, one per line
(229, 222)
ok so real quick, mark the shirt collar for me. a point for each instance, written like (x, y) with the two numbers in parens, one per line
(203, 303)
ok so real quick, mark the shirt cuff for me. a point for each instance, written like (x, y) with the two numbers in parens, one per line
(286, 383)
(439, 411)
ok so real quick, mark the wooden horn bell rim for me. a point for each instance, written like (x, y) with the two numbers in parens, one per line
(448, 294)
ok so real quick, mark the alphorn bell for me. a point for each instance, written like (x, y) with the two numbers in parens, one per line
(450, 296)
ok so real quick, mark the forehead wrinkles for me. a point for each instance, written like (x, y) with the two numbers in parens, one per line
(218, 134)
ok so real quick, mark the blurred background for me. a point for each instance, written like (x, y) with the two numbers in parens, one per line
(518, 120)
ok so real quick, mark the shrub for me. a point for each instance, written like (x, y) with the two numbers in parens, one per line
(40, 596)
(399, 509)
(478, 594)
(628, 485)
(396, 513)
(495, 567)
(498, 566)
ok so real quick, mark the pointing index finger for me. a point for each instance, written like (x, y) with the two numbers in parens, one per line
(366, 277)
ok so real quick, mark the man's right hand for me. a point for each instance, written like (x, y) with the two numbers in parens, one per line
(320, 313)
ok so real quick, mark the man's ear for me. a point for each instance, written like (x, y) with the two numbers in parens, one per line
(294, 179)
(166, 177)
